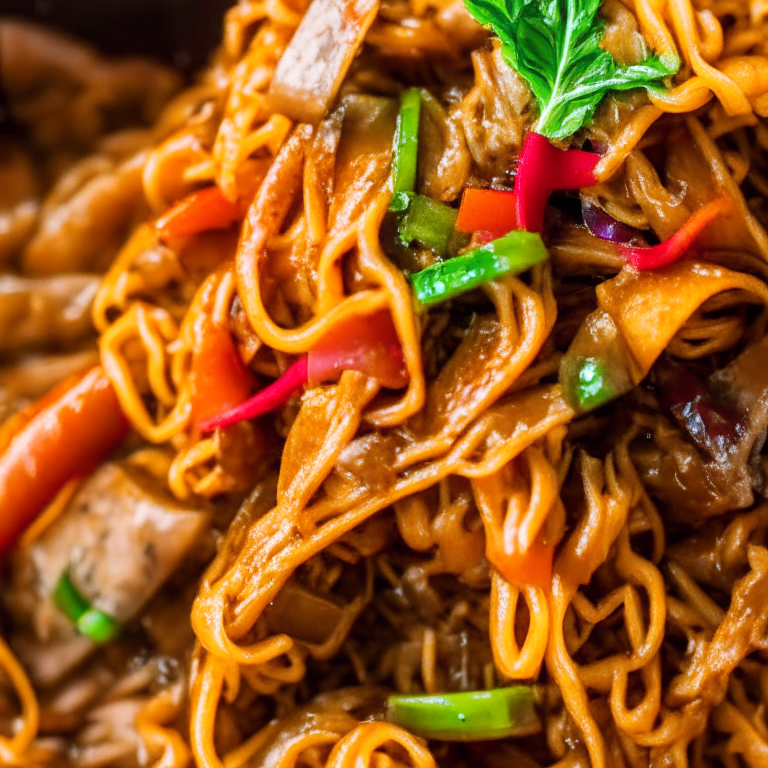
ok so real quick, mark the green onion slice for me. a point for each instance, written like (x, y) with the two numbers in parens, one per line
(405, 150)
(97, 626)
(90, 622)
(68, 600)
(509, 255)
(428, 222)
(593, 387)
(468, 716)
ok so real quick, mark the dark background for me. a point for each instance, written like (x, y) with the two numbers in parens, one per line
(180, 32)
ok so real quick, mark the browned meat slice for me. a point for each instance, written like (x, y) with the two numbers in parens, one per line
(691, 487)
(712, 464)
(119, 539)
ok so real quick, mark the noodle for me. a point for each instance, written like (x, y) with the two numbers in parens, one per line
(294, 570)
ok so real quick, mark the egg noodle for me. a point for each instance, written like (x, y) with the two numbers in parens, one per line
(647, 645)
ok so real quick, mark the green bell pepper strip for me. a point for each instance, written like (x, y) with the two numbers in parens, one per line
(468, 716)
(429, 223)
(405, 150)
(509, 255)
(91, 622)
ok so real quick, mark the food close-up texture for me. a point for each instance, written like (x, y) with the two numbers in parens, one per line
(390, 391)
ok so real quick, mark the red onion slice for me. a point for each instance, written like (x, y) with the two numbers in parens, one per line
(604, 226)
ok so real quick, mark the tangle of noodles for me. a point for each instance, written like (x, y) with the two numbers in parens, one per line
(354, 542)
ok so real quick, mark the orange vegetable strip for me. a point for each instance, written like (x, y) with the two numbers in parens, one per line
(199, 212)
(67, 438)
(220, 380)
(487, 210)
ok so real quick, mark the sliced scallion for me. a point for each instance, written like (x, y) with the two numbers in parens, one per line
(593, 387)
(98, 626)
(405, 150)
(68, 600)
(91, 622)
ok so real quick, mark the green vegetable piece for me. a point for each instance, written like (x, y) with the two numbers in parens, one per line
(68, 600)
(593, 387)
(509, 255)
(468, 716)
(428, 222)
(405, 150)
(555, 46)
(98, 626)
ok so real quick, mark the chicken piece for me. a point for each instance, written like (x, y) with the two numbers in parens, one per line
(45, 312)
(120, 538)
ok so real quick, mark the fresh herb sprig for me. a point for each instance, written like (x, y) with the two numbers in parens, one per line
(555, 46)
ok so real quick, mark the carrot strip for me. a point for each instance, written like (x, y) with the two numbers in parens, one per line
(67, 438)
(199, 212)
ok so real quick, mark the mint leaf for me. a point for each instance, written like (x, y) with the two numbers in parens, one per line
(555, 46)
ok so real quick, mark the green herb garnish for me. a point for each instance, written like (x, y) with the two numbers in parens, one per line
(555, 46)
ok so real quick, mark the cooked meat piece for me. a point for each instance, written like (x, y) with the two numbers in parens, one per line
(744, 385)
(712, 465)
(690, 487)
(45, 312)
(120, 538)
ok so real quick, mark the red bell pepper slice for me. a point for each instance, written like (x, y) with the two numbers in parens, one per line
(67, 438)
(369, 345)
(220, 381)
(199, 212)
(680, 243)
(487, 210)
(544, 168)
(278, 393)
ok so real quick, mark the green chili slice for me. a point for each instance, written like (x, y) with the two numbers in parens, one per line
(68, 600)
(429, 223)
(405, 150)
(468, 716)
(509, 255)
